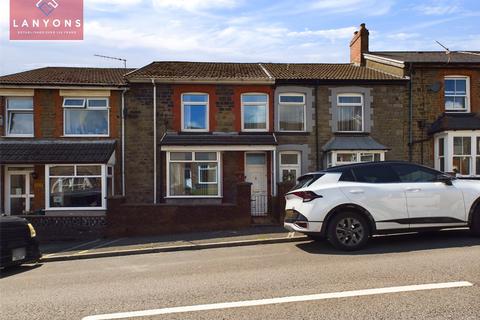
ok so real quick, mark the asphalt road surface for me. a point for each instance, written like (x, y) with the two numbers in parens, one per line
(78, 289)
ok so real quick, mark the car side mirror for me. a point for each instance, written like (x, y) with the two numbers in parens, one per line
(446, 179)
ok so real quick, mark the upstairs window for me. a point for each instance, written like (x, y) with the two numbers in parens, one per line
(19, 117)
(456, 94)
(195, 112)
(254, 112)
(291, 112)
(86, 116)
(350, 113)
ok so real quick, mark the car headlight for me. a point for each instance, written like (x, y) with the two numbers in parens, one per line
(33, 233)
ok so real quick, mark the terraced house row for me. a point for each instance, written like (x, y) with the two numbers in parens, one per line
(168, 147)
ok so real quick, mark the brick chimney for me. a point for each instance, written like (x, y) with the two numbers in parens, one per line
(359, 46)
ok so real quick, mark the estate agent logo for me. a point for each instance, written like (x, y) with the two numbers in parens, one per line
(46, 19)
(47, 7)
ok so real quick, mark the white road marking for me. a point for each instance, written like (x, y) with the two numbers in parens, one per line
(262, 302)
(72, 248)
(99, 246)
(291, 235)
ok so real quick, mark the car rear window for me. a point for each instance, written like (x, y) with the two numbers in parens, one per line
(307, 180)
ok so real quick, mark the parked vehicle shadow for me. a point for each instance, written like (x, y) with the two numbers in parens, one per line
(11, 271)
(400, 243)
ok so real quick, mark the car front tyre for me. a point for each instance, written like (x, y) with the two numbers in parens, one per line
(475, 225)
(348, 231)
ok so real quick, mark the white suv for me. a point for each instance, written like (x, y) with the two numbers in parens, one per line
(348, 204)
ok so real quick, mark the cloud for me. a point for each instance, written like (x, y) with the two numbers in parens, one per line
(437, 9)
(402, 36)
(194, 5)
(330, 34)
(368, 7)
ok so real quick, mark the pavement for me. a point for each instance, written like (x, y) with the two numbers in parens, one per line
(158, 286)
(62, 251)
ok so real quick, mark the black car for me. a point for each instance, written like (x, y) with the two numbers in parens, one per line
(18, 243)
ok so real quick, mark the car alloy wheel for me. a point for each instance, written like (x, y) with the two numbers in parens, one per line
(350, 232)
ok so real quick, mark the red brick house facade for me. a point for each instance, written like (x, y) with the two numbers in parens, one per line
(60, 140)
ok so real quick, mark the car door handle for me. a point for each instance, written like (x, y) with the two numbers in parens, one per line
(413, 189)
(356, 191)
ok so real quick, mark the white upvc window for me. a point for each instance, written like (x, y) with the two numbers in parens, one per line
(340, 157)
(86, 117)
(254, 112)
(195, 112)
(19, 117)
(76, 187)
(193, 174)
(457, 94)
(292, 112)
(350, 110)
(460, 153)
(290, 165)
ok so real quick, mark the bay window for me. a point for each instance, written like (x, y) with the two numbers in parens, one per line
(291, 112)
(19, 117)
(195, 112)
(86, 116)
(462, 155)
(350, 112)
(290, 166)
(76, 186)
(254, 112)
(458, 152)
(456, 94)
(193, 174)
(337, 158)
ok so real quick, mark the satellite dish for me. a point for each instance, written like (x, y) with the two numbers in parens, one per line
(435, 87)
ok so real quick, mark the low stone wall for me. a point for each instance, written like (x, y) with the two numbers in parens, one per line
(125, 219)
(66, 228)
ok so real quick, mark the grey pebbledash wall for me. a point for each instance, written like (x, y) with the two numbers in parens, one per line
(367, 109)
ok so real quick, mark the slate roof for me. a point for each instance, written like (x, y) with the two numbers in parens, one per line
(319, 71)
(430, 56)
(349, 142)
(67, 76)
(173, 139)
(455, 121)
(55, 151)
(213, 71)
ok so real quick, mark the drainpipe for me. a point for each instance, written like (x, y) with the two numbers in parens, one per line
(123, 141)
(317, 149)
(410, 115)
(154, 142)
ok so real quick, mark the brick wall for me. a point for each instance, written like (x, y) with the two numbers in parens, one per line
(126, 219)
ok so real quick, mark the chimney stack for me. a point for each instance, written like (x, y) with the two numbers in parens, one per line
(359, 46)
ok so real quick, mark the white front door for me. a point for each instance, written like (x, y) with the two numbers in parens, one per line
(256, 174)
(18, 190)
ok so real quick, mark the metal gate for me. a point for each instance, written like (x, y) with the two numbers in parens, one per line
(259, 205)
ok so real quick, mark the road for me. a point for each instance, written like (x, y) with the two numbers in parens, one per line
(77, 289)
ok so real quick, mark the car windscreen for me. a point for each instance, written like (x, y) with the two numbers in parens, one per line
(306, 180)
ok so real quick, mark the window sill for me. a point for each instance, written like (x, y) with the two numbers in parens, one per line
(194, 197)
(85, 136)
(20, 136)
